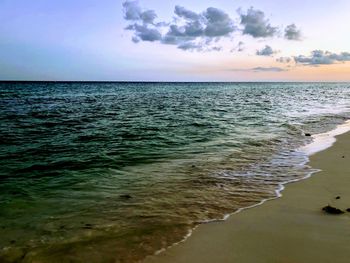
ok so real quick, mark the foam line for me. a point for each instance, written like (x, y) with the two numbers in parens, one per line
(320, 142)
(325, 140)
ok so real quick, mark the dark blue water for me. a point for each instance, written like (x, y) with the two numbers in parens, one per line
(105, 172)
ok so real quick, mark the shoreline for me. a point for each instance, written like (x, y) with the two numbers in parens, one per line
(189, 249)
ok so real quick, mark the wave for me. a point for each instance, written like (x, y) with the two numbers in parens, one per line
(320, 142)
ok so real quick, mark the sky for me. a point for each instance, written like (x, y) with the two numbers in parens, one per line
(181, 40)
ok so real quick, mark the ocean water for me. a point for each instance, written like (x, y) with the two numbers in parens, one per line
(112, 172)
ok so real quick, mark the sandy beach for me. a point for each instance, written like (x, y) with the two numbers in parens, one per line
(289, 229)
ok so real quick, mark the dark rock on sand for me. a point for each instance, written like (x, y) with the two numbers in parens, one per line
(127, 196)
(348, 210)
(332, 210)
(88, 226)
(338, 197)
(308, 134)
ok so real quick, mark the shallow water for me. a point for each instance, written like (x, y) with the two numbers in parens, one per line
(111, 172)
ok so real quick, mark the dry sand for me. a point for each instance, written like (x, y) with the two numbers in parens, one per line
(290, 229)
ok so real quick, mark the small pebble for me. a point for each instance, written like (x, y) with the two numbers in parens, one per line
(88, 226)
(348, 210)
(338, 197)
(127, 196)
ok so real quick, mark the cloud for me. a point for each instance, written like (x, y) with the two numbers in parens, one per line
(188, 31)
(133, 12)
(198, 31)
(342, 57)
(268, 69)
(319, 57)
(291, 32)
(144, 33)
(148, 16)
(185, 13)
(262, 69)
(256, 25)
(284, 60)
(143, 25)
(218, 23)
(266, 51)
(240, 47)
(190, 46)
(216, 49)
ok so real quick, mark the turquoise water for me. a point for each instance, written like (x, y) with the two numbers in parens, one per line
(111, 172)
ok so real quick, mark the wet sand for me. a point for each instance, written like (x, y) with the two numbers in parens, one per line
(290, 229)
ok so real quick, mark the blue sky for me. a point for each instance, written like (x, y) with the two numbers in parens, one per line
(88, 40)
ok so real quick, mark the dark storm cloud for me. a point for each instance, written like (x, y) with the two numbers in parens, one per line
(319, 57)
(291, 32)
(256, 25)
(266, 51)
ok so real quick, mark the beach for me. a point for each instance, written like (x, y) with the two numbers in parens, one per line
(174, 131)
(292, 228)
(83, 177)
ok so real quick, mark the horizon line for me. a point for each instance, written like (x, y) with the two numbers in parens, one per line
(155, 81)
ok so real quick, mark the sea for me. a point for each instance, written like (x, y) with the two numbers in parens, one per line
(116, 171)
